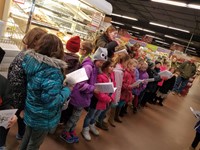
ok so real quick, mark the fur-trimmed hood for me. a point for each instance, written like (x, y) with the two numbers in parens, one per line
(54, 62)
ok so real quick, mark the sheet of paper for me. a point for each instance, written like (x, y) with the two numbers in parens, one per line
(76, 76)
(105, 87)
(121, 51)
(165, 73)
(196, 113)
(5, 116)
(150, 80)
(138, 82)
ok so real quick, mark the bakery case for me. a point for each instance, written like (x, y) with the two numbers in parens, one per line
(63, 18)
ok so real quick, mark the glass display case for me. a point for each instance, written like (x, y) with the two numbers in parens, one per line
(63, 18)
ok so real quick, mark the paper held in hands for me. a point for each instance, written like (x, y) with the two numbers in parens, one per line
(165, 73)
(138, 82)
(196, 113)
(76, 76)
(121, 51)
(5, 116)
(105, 87)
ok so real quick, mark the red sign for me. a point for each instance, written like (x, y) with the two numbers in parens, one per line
(19, 1)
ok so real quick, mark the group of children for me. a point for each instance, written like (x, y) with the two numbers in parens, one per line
(40, 70)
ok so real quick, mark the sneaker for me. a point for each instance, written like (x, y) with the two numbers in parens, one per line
(173, 92)
(102, 126)
(67, 137)
(19, 137)
(179, 95)
(85, 133)
(74, 136)
(93, 129)
(134, 110)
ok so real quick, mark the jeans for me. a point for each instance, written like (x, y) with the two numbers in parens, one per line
(196, 140)
(102, 116)
(180, 84)
(3, 135)
(91, 117)
(21, 126)
(33, 138)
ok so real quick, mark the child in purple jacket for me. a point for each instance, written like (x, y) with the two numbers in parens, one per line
(82, 93)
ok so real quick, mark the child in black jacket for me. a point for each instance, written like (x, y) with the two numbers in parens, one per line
(165, 88)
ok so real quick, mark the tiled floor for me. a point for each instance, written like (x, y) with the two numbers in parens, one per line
(153, 128)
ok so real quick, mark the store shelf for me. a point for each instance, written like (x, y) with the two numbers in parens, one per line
(41, 24)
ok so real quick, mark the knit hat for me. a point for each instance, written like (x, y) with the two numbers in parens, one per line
(2, 53)
(151, 64)
(73, 44)
(101, 54)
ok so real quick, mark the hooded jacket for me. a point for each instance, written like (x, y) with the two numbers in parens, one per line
(187, 70)
(83, 91)
(104, 98)
(45, 91)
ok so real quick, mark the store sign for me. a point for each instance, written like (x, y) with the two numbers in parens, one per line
(19, 1)
(96, 19)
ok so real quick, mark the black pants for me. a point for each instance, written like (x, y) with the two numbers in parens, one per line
(196, 140)
(148, 97)
(3, 135)
(66, 114)
(21, 126)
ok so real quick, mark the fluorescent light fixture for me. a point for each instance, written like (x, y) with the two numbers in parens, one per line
(130, 18)
(116, 15)
(193, 6)
(165, 26)
(143, 29)
(117, 23)
(171, 37)
(179, 29)
(157, 41)
(126, 17)
(175, 3)
(157, 24)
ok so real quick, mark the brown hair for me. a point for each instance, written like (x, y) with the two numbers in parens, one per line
(110, 29)
(106, 64)
(88, 46)
(32, 37)
(51, 46)
(120, 58)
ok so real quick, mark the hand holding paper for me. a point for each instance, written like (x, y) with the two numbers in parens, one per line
(166, 74)
(105, 87)
(6, 116)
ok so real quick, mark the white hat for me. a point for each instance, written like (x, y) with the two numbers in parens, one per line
(101, 54)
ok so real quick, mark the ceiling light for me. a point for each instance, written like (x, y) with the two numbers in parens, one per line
(149, 31)
(117, 23)
(193, 6)
(179, 29)
(175, 3)
(142, 29)
(162, 42)
(116, 15)
(137, 28)
(157, 24)
(130, 18)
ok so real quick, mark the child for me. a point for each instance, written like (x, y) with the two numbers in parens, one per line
(45, 91)
(103, 100)
(120, 60)
(139, 91)
(165, 88)
(70, 57)
(82, 93)
(127, 85)
(85, 51)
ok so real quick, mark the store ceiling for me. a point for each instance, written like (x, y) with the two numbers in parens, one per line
(147, 11)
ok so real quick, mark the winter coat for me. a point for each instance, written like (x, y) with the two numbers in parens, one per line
(83, 91)
(72, 61)
(142, 76)
(152, 86)
(167, 85)
(45, 91)
(119, 73)
(103, 41)
(128, 80)
(4, 88)
(17, 82)
(162, 68)
(187, 70)
(104, 98)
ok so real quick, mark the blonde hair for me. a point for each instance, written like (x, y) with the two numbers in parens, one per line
(132, 62)
(120, 58)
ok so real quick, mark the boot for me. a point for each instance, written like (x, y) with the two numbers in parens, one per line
(135, 110)
(160, 101)
(93, 129)
(85, 133)
(117, 119)
(112, 116)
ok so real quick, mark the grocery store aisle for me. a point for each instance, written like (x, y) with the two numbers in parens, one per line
(153, 128)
